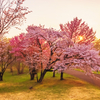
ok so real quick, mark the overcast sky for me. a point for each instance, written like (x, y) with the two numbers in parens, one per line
(51, 13)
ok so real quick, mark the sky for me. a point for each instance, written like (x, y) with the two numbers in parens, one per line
(51, 13)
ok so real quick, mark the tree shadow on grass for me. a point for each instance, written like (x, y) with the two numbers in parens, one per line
(51, 84)
(55, 85)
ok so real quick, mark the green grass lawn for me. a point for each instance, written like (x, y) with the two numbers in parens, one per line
(83, 71)
(16, 87)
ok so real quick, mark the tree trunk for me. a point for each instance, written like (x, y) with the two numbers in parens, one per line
(42, 76)
(37, 77)
(61, 77)
(1, 76)
(32, 74)
(53, 73)
(18, 67)
(22, 70)
(11, 69)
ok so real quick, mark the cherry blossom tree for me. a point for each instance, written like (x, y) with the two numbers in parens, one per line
(42, 44)
(17, 51)
(11, 13)
(26, 50)
(78, 31)
(39, 48)
(6, 57)
(79, 56)
(52, 38)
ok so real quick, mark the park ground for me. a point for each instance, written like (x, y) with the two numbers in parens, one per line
(17, 87)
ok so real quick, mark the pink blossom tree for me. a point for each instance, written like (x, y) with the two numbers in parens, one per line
(79, 56)
(78, 31)
(27, 49)
(44, 41)
(39, 47)
(56, 42)
(6, 57)
(11, 13)
(17, 51)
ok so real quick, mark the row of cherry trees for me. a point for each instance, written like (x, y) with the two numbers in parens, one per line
(45, 49)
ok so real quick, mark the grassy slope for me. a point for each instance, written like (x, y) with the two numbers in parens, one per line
(16, 87)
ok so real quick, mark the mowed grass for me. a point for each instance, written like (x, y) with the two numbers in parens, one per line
(16, 87)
